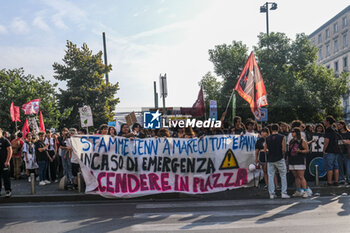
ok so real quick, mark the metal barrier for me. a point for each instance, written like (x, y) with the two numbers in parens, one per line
(32, 182)
(317, 179)
(79, 182)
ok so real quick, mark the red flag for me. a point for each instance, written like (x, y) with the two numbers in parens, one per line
(198, 108)
(15, 113)
(199, 105)
(25, 129)
(42, 126)
(32, 107)
(251, 87)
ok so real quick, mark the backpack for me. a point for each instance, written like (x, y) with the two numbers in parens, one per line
(16, 146)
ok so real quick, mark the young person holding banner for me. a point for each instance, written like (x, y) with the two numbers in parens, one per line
(298, 148)
(260, 155)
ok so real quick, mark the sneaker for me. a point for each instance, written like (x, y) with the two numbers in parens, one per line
(305, 195)
(298, 194)
(42, 183)
(47, 182)
(29, 179)
(8, 194)
(56, 181)
(265, 187)
(272, 196)
(37, 178)
(285, 196)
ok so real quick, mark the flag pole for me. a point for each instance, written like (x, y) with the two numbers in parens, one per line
(16, 126)
(229, 101)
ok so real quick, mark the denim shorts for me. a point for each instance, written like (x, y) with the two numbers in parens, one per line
(330, 162)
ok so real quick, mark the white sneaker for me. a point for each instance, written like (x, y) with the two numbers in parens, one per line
(272, 196)
(29, 179)
(47, 182)
(42, 183)
(285, 196)
(305, 195)
(298, 194)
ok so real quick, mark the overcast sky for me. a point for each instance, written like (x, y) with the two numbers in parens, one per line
(146, 38)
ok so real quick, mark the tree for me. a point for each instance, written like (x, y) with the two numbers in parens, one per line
(295, 83)
(297, 88)
(19, 88)
(228, 63)
(83, 72)
(211, 88)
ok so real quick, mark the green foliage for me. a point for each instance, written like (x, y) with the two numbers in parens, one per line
(83, 72)
(211, 88)
(295, 84)
(19, 88)
(228, 63)
(297, 88)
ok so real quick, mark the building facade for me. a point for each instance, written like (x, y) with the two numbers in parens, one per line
(332, 39)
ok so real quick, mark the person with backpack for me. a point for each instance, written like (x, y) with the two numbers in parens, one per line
(298, 148)
(17, 145)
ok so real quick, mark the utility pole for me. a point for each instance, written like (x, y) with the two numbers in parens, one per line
(105, 55)
(164, 91)
(155, 95)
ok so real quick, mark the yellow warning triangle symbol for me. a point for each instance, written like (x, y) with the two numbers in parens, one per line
(229, 161)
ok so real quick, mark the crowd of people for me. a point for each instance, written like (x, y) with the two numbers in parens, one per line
(280, 148)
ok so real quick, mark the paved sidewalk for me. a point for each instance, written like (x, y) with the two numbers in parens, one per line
(21, 192)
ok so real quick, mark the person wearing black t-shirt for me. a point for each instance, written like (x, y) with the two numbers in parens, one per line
(66, 163)
(298, 149)
(331, 152)
(343, 160)
(43, 158)
(260, 155)
(5, 157)
(275, 149)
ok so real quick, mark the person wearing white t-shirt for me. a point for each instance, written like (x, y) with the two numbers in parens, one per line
(28, 152)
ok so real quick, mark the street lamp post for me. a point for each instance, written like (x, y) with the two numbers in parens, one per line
(265, 9)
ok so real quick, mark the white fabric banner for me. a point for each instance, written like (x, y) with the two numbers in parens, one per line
(119, 167)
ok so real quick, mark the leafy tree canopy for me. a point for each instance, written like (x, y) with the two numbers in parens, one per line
(83, 72)
(17, 87)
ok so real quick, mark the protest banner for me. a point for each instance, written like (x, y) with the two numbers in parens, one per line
(120, 167)
(86, 117)
(131, 118)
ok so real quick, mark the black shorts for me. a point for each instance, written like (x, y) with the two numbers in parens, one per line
(262, 157)
(75, 169)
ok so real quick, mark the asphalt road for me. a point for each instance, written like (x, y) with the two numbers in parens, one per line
(321, 214)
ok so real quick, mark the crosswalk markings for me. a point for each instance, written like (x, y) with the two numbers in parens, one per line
(202, 215)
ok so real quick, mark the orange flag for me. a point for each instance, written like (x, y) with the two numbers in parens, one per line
(250, 86)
